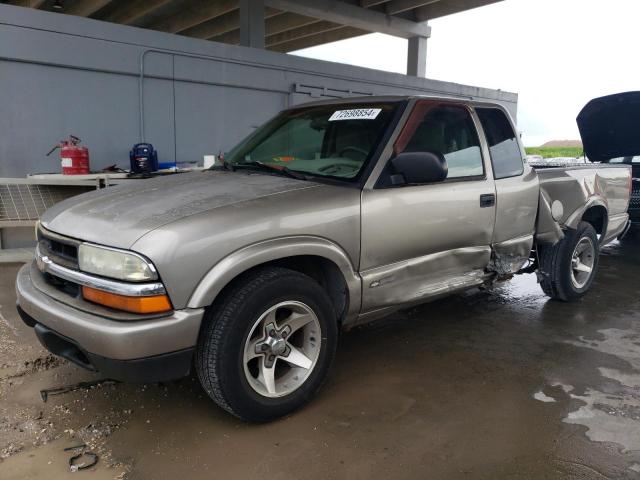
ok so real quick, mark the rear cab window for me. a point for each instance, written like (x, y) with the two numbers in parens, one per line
(506, 156)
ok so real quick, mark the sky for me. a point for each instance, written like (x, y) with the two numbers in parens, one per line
(556, 54)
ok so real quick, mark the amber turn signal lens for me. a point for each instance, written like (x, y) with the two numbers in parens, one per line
(155, 304)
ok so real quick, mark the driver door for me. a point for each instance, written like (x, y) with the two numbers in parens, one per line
(419, 241)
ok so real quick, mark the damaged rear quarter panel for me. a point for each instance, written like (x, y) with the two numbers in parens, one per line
(578, 189)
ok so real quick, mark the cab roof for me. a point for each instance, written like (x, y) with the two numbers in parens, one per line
(393, 98)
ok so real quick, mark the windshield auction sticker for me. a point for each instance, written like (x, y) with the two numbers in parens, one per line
(355, 114)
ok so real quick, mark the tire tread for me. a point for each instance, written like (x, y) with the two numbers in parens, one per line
(554, 282)
(218, 321)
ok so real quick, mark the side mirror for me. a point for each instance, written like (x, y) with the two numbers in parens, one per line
(418, 168)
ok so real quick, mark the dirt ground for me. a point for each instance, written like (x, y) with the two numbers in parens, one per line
(485, 385)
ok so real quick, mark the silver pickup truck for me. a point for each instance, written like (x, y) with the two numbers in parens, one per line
(330, 215)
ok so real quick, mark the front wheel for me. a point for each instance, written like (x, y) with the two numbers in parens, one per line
(266, 347)
(569, 267)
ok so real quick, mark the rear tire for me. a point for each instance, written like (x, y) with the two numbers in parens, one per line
(266, 347)
(569, 267)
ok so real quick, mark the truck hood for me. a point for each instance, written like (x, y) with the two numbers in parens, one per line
(609, 127)
(118, 216)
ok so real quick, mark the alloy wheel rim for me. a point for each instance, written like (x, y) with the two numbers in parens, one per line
(582, 262)
(282, 349)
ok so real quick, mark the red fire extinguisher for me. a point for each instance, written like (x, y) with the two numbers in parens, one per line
(74, 158)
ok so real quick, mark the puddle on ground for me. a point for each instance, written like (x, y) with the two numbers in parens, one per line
(628, 379)
(624, 344)
(541, 397)
(524, 289)
(609, 418)
(612, 416)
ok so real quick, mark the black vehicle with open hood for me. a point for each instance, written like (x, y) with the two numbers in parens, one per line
(610, 131)
(609, 127)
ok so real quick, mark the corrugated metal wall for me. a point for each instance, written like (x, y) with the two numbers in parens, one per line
(61, 74)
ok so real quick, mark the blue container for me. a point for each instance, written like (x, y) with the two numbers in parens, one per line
(166, 165)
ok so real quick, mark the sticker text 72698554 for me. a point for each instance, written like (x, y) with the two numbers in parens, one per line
(355, 114)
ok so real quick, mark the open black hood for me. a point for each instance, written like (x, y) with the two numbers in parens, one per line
(610, 127)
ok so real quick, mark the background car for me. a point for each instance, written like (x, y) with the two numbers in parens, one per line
(634, 203)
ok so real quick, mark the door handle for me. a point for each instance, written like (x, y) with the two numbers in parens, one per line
(487, 200)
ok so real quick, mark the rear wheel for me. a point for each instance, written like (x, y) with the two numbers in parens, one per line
(266, 347)
(569, 267)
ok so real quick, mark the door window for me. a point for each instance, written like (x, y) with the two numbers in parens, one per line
(506, 157)
(446, 129)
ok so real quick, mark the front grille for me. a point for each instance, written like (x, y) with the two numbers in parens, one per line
(64, 252)
(61, 253)
(61, 250)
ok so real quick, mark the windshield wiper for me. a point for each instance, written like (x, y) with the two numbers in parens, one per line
(272, 168)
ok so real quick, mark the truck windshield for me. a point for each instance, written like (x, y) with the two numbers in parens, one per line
(328, 141)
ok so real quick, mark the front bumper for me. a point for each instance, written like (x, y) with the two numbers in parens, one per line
(116, 348)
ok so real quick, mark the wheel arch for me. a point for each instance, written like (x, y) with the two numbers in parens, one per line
(597, 216)
(594, 211)
(316, 257)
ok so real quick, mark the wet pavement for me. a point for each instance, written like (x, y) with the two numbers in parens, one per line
(491, 384)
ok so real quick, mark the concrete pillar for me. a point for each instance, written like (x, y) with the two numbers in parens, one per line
(252, 23)
(417, 57)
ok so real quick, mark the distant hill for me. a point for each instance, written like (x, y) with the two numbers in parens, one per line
(563, 144)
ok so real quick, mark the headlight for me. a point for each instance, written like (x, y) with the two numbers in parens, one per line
(113, 263)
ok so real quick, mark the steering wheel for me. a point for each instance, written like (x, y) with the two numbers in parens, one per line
(338, 168)
(361, 151)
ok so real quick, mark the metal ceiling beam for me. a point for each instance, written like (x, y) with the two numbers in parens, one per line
(195, 15)
(275, 25)
(223, 24)
(316, 28)
(27, 3)
(398, 6)
(443, 8)
(232, 37)
(354, 16)
(393, 7)
(135, 10)
(216, 26)
(84, 8)
(371, 3)
(287, 21)
(333, 36)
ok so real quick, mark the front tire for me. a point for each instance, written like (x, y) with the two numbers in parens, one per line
(266, 347)
(569, 267)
